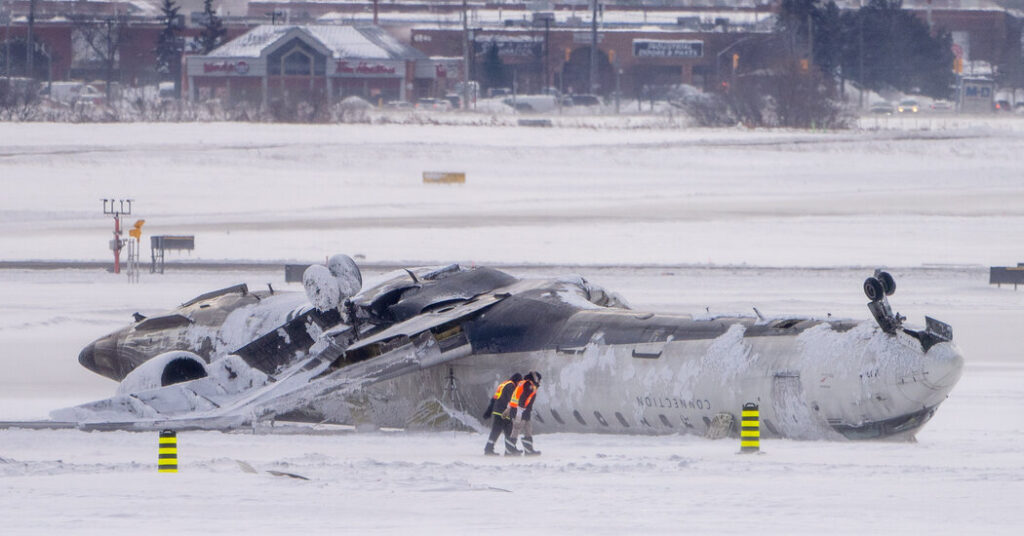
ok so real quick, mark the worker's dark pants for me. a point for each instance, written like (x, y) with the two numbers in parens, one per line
(524, 427)
(500, 426)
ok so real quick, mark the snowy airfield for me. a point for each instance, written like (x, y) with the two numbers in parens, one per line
(674, 220)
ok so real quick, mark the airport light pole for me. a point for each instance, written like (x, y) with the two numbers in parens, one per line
(6, 17)
(116, 208)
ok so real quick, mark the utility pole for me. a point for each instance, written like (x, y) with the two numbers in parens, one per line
(547, 54)
(465, 55)
(618, 86)
(116, 208)
(593, 50)
(810, 38)
(860, 54)
(29, 56)
(7, 16)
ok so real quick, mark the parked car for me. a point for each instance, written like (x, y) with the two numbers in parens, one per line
(1003, 106)
(440, 105)
(586, 100)
(942, 106)
(908, 106)
(398, 105)
(454, 99)
(882, 107)
(498, 92)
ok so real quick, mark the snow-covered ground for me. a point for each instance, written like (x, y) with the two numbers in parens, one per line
(798, 217)
(609, 196)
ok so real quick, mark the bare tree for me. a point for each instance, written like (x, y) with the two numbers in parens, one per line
(102, 37)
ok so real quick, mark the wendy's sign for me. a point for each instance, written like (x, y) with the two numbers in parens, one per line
(226, 67)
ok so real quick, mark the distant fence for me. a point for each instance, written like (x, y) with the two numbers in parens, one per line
(1012, 275)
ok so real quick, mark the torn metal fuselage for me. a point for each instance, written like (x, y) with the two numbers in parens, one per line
(606, 368)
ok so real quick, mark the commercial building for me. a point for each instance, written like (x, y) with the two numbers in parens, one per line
(310, 63)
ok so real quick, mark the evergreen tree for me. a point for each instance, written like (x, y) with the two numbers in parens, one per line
(879, 46)
(899, 51)
(493, 68)
(169, 46)
(213, 29)
(814, 31)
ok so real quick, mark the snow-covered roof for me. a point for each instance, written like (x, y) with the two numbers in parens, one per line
(499, 17)
(368, 42)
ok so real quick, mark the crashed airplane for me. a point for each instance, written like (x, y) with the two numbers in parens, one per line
(425, 347)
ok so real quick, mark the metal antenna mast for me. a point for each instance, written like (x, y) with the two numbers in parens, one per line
(116, 208)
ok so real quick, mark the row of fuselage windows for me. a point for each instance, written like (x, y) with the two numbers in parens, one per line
(684, 422)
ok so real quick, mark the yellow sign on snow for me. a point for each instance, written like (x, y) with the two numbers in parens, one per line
(444, 177)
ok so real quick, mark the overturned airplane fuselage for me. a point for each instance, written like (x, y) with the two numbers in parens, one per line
(450, 334)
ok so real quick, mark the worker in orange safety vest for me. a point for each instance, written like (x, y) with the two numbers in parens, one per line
(520, 411)
(501, 424)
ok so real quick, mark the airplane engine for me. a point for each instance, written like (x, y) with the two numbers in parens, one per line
(345, 271)
(165, 369)
(322, 287)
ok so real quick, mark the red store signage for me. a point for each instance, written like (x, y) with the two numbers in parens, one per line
(226, 67)
(362, 67)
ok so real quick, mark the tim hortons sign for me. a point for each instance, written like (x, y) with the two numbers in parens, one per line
(365, 68)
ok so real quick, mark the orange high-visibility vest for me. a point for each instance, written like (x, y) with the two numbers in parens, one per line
(519, 393)
(529, 399)
(501, 387)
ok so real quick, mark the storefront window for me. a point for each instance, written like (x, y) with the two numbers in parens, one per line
(297, 62)
(296, 58)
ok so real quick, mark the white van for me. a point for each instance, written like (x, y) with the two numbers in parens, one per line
(75, 92)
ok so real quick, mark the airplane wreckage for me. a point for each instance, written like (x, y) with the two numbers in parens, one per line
(426, 346)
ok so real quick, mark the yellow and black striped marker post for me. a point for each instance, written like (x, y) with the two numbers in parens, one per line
(750, 429)
(167, 461)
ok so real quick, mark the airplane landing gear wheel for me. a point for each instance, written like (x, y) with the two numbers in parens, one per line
(888, 283)
(873, 289)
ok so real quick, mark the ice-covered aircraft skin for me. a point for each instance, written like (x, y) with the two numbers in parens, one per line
(606, 368)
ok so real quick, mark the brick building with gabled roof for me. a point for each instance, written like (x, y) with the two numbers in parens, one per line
(309, 63)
